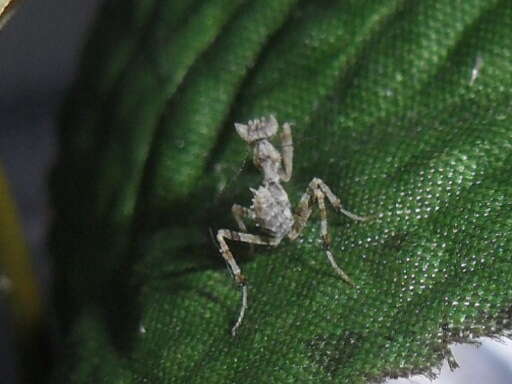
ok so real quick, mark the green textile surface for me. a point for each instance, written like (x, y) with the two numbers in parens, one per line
(402, 107)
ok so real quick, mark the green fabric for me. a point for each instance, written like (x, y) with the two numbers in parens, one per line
(385, 112)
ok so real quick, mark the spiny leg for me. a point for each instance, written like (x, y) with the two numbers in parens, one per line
(240, 279)
(320, 197)
(318, 190)
(334, 200)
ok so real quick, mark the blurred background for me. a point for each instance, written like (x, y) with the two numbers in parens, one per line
(39, 54)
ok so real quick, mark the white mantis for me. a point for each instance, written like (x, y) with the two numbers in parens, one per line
(271, 208)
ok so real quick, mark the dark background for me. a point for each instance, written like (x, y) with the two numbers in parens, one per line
(39, 53)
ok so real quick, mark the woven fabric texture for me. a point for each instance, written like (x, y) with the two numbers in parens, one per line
(402, 107)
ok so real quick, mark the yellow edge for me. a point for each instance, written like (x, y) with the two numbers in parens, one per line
(7, 8)
(15, 263)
